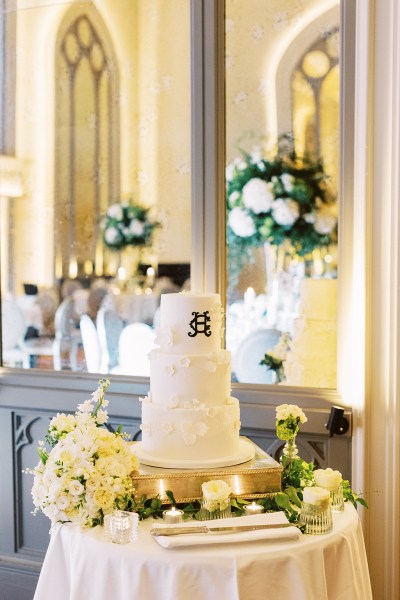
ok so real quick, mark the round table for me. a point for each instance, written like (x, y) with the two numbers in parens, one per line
(80, 565)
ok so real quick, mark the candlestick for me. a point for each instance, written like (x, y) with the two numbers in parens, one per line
(253, 509)
(173, 515)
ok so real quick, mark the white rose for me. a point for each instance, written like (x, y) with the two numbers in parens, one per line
(233, 198)
(115, 212)
(241, 223)
(324, 223)
(229, 172)
(316, 496)
(258, 195)
(216, 490)
(309, 218)
(112, 235)
(136, 228)
(285, 212)
(75, 487)
(328, 479)
(287, 181)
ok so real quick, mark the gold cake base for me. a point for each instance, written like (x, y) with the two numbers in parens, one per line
(259, 477)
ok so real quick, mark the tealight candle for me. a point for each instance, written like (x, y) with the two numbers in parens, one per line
(173, 515)
(253, 509)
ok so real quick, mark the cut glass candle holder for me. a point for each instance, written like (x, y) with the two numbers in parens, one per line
(337, 499)
(121, 527)
(214, 510)
(317, 519)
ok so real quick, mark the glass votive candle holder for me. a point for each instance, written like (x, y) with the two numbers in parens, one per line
(337, 499)
(253, 509)
(121, 527)
(316, 513)
(210, 509)
(173, 515)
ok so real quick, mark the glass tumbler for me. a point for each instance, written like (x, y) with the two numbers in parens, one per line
(317, 518)
(337, 499)
(121, 527)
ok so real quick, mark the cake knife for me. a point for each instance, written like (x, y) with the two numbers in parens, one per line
(204, 529)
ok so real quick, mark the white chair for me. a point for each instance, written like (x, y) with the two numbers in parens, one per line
(135, 342)
(13, 330)
(91, 344)
(246, 361)
(68, 337)
(109, 327)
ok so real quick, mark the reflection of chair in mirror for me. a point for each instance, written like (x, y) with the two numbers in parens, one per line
(95, 299)
(135, 342)
(109, 327)
(246, 361)
(13, 331)
(91, 344)
(67, 336)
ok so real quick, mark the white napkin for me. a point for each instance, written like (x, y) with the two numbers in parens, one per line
(187, 539)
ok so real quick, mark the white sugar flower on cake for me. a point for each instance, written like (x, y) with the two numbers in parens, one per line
(169, 369)
(173, 402)
(185, 362)
(163, 337)
(167, 427)
(191, 431)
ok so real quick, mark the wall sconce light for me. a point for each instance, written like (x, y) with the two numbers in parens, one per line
(337, 422)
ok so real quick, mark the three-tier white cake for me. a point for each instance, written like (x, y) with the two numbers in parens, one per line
(189, 418)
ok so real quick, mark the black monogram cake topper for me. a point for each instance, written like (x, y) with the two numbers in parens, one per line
(200, 324)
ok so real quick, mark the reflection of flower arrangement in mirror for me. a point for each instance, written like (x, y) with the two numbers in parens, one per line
(283, 198)
(128, 225)
(275, 357)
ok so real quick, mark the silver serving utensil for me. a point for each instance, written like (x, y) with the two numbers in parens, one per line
(204, 529)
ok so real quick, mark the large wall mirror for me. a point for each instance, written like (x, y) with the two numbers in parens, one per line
(95, 187)
(95, 179)
(282, 182)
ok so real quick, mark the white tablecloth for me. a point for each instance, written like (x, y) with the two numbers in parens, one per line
(80, 565)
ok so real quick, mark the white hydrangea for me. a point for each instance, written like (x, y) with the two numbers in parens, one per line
(285, 211)
(112, 235)
(258, 195)
(136, 228)
(287, 181)
(115, 212)
(241, 222)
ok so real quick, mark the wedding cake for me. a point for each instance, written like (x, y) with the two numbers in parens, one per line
(189, 418)
(311, 359)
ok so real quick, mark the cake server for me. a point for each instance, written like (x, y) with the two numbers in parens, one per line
(204, 529)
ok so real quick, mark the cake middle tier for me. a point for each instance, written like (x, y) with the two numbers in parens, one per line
(189, 381)
(183, 433)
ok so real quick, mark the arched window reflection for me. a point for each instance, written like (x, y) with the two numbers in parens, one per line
(86, 151)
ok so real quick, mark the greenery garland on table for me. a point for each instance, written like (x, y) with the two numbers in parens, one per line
(296, 475)
(286, 198)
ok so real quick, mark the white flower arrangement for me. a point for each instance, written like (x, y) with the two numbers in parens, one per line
(285, 198)
(128, 225)
(216, 494)
(328, 479)
(288, 417)
(87, 473)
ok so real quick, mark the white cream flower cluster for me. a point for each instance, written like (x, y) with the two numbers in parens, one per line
(216, 494)
(290, 411)
(328, 479)
(127, 225)
(87, 473)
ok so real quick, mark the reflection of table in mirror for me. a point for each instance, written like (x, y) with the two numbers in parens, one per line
(80, 564)
(136, 308)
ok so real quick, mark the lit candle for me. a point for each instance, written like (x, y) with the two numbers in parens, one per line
(253, 509)
(173, 515)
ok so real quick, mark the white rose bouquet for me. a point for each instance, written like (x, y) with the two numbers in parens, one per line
(86, 474)
(128, 225)
(288, 417)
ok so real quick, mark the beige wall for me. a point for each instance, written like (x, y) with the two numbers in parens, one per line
(151, 42)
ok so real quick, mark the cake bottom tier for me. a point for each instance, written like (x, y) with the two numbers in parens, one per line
(191, 434)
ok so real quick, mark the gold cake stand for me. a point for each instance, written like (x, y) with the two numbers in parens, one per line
(260, 477)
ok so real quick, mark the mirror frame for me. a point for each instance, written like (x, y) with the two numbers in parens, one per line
(207, 31)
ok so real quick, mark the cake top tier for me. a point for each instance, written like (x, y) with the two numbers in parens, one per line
(318, 299)
(190, 323)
